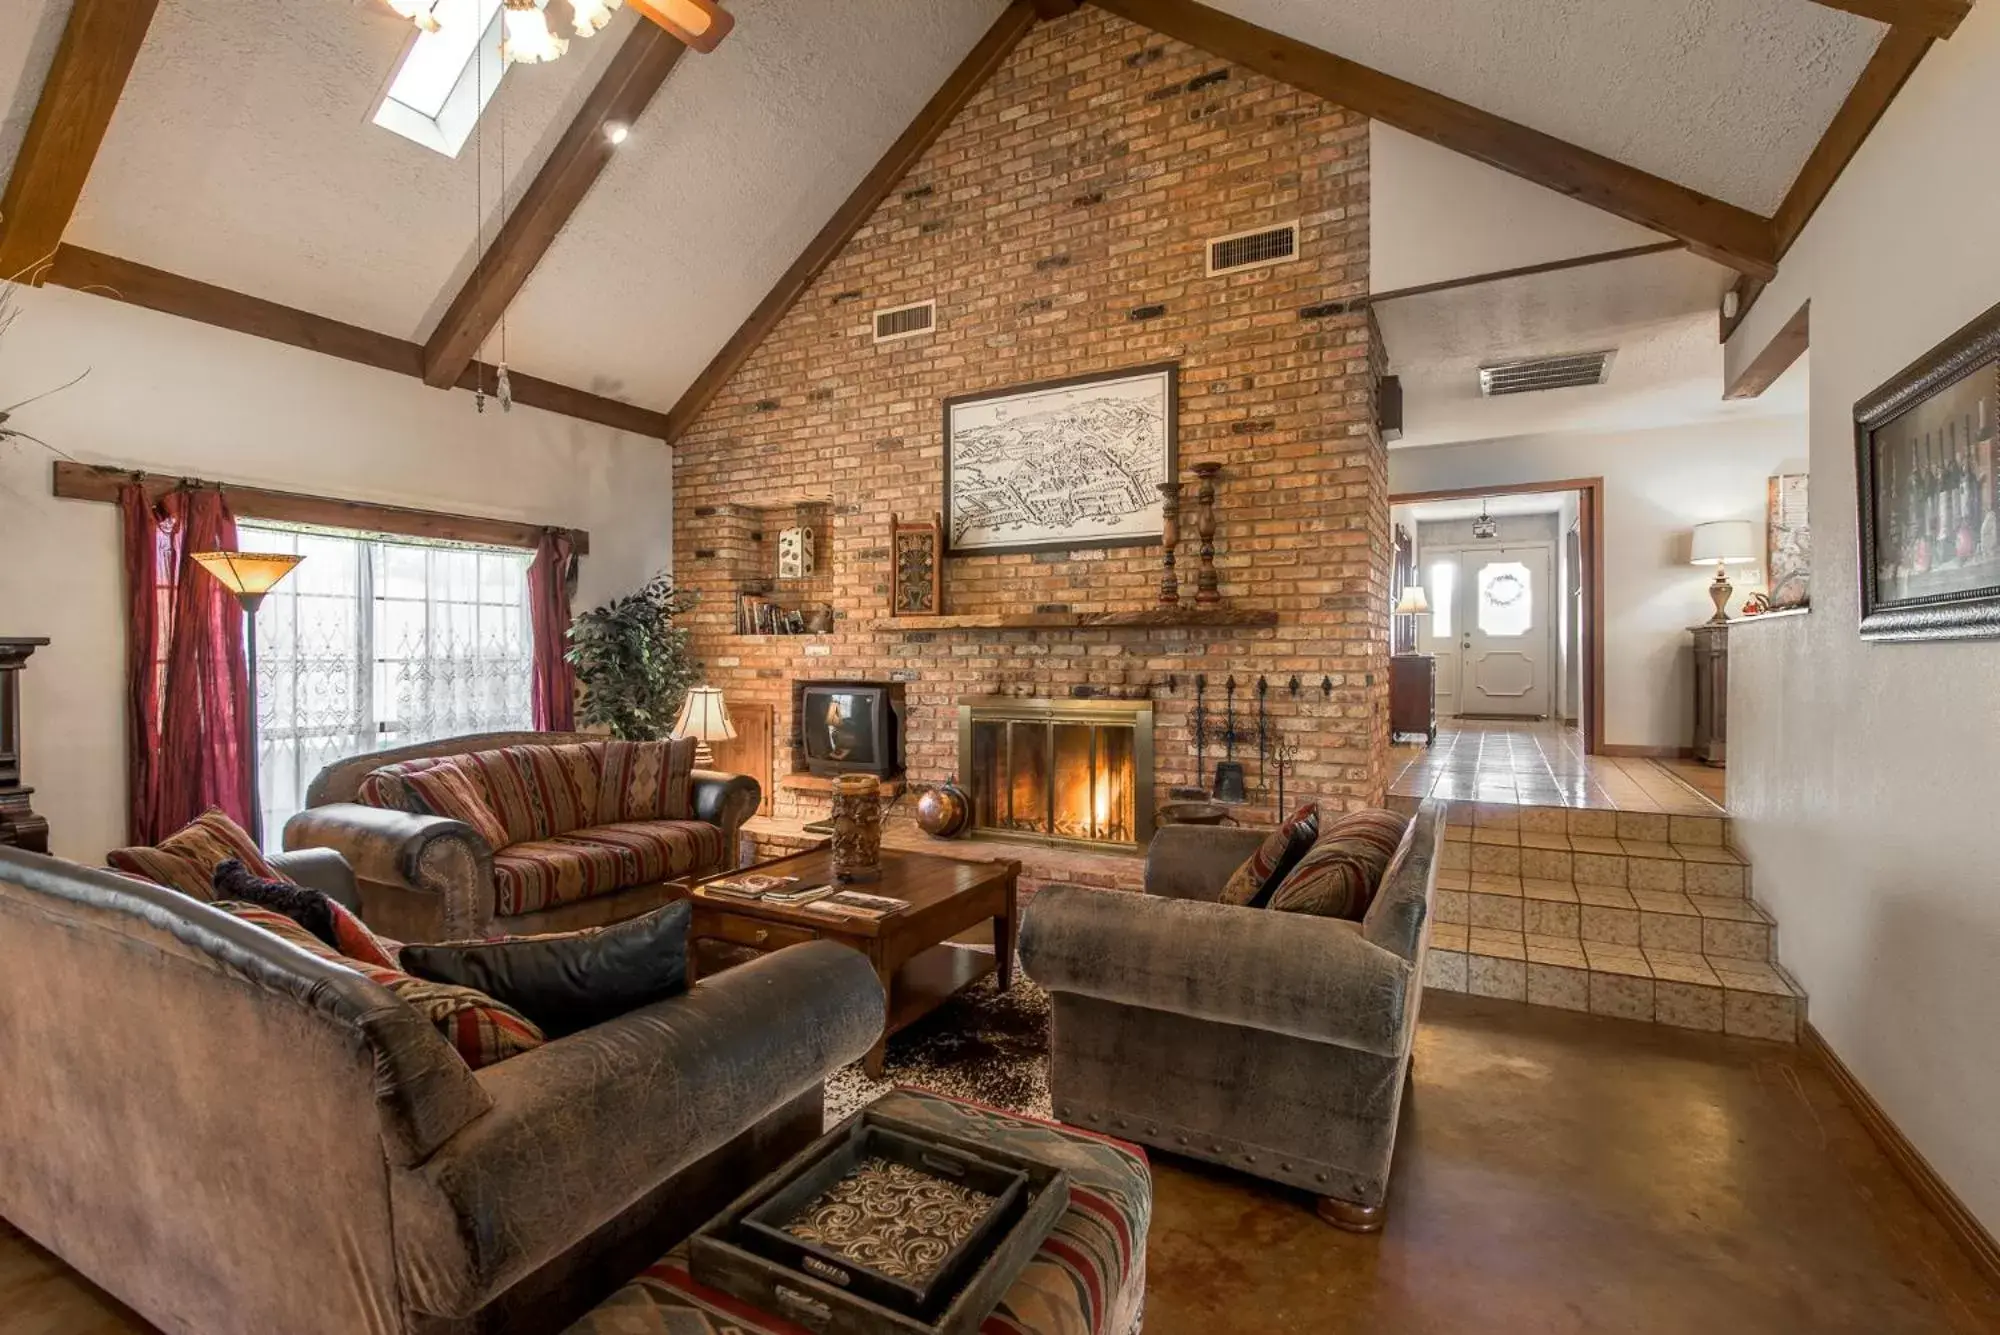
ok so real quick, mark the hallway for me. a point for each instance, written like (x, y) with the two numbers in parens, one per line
(1539, 764)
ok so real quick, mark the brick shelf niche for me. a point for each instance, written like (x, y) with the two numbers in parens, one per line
(1069, 199)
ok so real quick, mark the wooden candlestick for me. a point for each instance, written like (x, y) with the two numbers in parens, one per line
(1205, 590)
(1170, 535)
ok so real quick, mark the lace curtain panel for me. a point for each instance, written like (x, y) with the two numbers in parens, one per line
(381, 642)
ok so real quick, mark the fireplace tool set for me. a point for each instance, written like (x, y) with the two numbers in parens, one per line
(1230, 783)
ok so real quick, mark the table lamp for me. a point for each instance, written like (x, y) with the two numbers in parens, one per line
(249, 576)
(1413, 602)
(1727, 542)
(705, 718)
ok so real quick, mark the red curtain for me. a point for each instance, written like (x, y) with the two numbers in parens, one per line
(187, 684)
(549, 585)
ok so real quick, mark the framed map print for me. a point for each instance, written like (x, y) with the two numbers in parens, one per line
(1929, 493)
(1061, 464)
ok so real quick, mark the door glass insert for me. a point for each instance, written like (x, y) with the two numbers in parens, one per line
(1444, 578)
(1506, 603)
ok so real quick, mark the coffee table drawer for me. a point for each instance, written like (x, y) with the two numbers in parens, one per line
(751, 932)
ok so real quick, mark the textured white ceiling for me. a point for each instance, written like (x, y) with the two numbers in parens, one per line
(243, 154)
(1658, 312)
(740, 160)
(1724, 96)
(33, 29)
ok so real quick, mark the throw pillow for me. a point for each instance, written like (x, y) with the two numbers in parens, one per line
(311, 909)
(482, 1030)
(570, 980)
(1251, 884)
(1339, 877)
(448, 791)
(186, 859)
(648, 780)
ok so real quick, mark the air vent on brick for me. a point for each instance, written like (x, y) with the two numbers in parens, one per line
(1249, 250)
(1528, 377)
(905, 321)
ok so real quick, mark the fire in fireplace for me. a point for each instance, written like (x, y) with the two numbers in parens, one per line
(1058, 771)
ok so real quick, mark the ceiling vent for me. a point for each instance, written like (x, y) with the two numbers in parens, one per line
(905, 321)
(1250, 250)
(1565, 372)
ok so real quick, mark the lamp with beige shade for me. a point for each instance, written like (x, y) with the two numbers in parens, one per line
(705, 718)
(1726, 542)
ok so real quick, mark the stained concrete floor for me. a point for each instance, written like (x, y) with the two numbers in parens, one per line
(1564, 1173)
(1557, 1173)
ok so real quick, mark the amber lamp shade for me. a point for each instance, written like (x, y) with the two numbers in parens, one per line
(705, 718)
(248, 575)
(702, 24)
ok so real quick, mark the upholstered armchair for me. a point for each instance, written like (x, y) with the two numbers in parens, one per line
(432, 878)
(1274, 1043)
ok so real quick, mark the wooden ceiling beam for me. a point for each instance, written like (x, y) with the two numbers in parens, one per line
(1785, 347)
(1894, 61)
(99, 44)
(171, 294)
(957, 90)
(1933, 18)
(545, 207)
(1710, 227)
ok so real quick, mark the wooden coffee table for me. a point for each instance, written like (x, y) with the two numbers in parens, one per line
(912, 951)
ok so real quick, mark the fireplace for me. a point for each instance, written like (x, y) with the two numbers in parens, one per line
(1058, 771)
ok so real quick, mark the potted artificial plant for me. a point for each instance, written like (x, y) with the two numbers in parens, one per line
(634, 663)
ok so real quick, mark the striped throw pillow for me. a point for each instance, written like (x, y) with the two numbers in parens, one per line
(186, 859)
(1339, 877)
(448, 791)
(1251, 884)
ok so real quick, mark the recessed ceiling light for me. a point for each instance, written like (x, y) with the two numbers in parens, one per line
(617, 132)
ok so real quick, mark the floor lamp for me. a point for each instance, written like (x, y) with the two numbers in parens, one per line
(250, 575)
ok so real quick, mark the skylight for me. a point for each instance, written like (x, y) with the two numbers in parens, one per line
(447, 78)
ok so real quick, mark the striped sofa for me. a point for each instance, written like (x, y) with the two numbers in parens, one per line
(564, 830)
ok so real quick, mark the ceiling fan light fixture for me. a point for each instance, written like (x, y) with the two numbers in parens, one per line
(701, 24)
(591, 15)
(528, 39)
(417, 12)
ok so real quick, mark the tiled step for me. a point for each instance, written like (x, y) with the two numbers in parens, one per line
(1747, 998)
(1723, 925)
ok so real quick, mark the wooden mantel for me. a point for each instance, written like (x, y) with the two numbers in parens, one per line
(1147, 619)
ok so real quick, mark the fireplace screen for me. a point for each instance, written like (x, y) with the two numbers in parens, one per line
(1059, 771)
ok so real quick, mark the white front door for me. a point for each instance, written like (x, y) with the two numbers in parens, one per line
(1502, 617)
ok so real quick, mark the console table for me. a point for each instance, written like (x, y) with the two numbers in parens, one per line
(19, 825)
(1711, 692)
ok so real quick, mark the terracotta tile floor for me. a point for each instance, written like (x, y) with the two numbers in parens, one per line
(1536, 764)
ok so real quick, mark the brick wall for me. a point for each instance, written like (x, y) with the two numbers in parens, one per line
(1078, 185)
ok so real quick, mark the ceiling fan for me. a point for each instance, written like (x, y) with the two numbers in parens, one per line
(701, 24)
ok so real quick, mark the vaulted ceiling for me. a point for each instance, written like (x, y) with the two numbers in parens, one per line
(242, 152)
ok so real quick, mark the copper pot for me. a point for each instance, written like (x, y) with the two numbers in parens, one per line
(944, 811)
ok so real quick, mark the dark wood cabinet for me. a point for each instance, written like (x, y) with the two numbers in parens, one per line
(1711, 692)
(19, 825)
(1413, 696)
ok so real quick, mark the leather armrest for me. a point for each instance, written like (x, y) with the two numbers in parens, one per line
(321, 869)
(428, 855)
(1194, 861)
(726, 800)
(584, 1126)
(1288, 973)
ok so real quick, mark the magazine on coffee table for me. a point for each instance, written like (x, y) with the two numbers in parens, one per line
(748, 887)
(856, 904)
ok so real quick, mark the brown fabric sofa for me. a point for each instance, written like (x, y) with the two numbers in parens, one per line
(430, 878)
(1275, 1043)
(231, 1134)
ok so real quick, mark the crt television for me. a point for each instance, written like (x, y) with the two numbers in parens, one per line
(851, 727)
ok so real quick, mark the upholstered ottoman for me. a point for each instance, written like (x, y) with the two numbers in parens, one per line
(1089, 1278)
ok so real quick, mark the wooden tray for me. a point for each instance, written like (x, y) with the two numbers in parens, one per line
(745, 1251)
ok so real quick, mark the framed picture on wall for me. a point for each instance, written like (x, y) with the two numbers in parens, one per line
(1061, 464)
(1928, 496)
(1788, 542)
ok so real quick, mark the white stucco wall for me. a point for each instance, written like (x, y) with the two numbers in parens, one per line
(1863, 776)
(168, 395)
(1657, 486)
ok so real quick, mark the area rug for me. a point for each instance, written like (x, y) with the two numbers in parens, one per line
(985, 1045)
